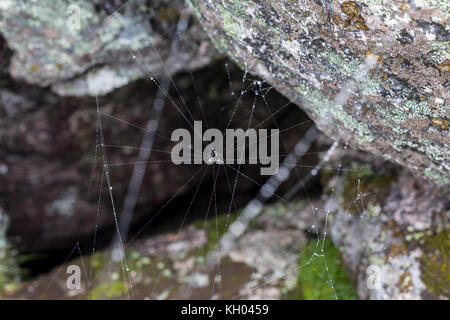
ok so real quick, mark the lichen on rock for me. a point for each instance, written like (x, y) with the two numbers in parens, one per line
(58, 43)
(310, 50)
(435, 263)
(394, 235)
(175, 266)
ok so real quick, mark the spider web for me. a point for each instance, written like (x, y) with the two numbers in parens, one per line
(169, 96)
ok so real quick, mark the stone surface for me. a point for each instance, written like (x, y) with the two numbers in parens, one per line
(56, 43)
(310, 50)
(387, 228)
(50, 159)
(392, 230)
(173, 265)
(10, 274)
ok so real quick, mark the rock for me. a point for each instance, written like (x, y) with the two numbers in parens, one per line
(51, 166)
(10, 273)
(57, 44)
(392, 230)
(262, 265)
(387, 239)
(314, 52)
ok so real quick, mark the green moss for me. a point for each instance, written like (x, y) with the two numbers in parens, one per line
(435, 263)
(108, 290)
(110, 284)
(98, 261)
(317, 272)
(363, 188)
(9, 266)
(215, 228)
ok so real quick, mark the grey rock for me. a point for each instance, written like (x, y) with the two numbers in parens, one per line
(50, 161)
(173, 265)
(312, 50)
(87, 47)
(395, 246)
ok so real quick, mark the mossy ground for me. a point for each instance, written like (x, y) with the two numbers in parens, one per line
(317, 273)
(155, 275)
(10, 272)
(435, 263)
(108, 278)
(215, 228)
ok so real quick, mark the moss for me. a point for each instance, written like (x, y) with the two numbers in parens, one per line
(98, 262)
(362, 188)
(317, 272)
(108, 290)
(10, 273)
(109, 278)
(215, 228)
(435, 263)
